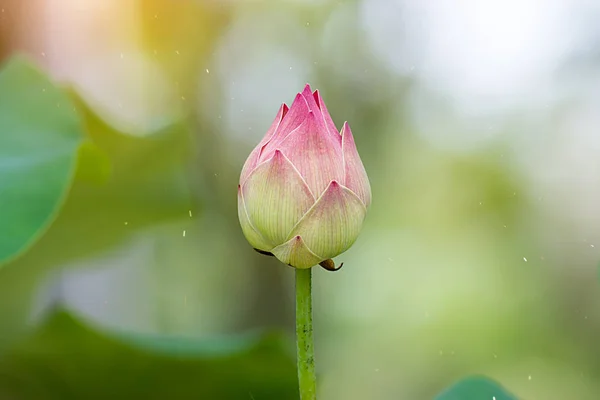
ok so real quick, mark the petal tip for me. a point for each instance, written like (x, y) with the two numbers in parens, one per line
(277, 154)
(346, 127)
(311, 118)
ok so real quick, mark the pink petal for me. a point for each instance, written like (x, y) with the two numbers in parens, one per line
(323, 118)
(314, 107)
(293, 118)
(310, 99)
(332, 225)
(295, 253)
(315, 154)
(276, 123)
(276, 198)
(355, 176)
(252, 159)
(326, 117)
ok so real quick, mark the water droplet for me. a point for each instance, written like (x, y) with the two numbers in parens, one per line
(207, 71)
(177, 52)
(525, 259)
(126, 223)
(184, 233)
(121, 55)
(529, 377)
(190, 212)
(43, 54)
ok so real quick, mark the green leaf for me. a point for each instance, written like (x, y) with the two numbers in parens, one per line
(69, 359)
(124, 183)
(140, 181)
(40, 133)
(476, 388)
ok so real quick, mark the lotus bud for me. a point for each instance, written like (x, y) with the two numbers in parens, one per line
(303, 192)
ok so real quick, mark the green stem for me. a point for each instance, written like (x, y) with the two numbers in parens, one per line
(304, 336)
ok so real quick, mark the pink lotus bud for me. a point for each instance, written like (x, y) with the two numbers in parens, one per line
(303, 192)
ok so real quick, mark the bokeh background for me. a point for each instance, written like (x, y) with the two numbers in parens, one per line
(478, 123)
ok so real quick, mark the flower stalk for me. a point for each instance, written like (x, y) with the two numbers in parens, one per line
(304, 335)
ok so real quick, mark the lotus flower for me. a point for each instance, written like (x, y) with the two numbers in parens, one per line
(303, 192)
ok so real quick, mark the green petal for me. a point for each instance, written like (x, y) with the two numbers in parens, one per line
(252, 236)
(295, 253)
(332, 225)
(276, 198)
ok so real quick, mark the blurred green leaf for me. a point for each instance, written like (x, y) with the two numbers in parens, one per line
(124, 183)
(40, 132)
(476, 388)
(69, 359)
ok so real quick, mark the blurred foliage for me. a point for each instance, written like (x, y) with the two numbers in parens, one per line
(476, 388)
(122, 183)
(41, 132)
(66, 358)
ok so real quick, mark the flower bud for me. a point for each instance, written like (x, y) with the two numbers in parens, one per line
(303, 192)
